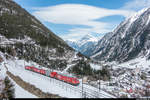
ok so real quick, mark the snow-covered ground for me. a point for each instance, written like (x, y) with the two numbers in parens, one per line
(51, 85)
(19, 92)
(96, 67)
(42, 82)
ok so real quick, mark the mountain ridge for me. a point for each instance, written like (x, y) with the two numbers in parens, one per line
(128, 41)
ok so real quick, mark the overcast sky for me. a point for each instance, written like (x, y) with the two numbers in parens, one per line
(72, 19)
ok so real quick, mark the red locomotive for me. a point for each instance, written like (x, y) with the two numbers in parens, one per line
(64, 78)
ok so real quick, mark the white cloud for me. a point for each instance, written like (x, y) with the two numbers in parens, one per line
(76, 14)
(136, 5)
(76, 33)
(79, 14)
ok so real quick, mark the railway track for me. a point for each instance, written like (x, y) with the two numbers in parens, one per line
(87, 93)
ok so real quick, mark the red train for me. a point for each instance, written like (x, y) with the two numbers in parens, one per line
(67, 79)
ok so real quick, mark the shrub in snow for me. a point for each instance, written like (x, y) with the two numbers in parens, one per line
(8, 91)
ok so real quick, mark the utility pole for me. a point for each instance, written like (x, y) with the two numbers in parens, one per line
(147, 89)
(35, 55)
(82, 85)
(99, 83)
(15, 57)
(82, 80)
(23, 54)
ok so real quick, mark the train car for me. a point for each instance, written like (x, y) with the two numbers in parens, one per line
(67, 79)
(35, 69)
(52, 74)
(32, 68)
(28, 67)
(42, 71)
(71, 80)
(61, 77)
(75, 81)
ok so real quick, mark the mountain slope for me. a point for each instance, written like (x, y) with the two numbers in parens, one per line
(16, 23)
(18, 27)
(129, 40)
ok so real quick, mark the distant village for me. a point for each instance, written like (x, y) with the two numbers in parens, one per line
(127, 82)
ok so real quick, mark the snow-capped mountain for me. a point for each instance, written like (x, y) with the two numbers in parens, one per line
(129, 40)
(87, 38)
(72, 44)
(84, 44)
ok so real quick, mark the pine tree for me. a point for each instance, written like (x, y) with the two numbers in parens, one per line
(9, 91)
